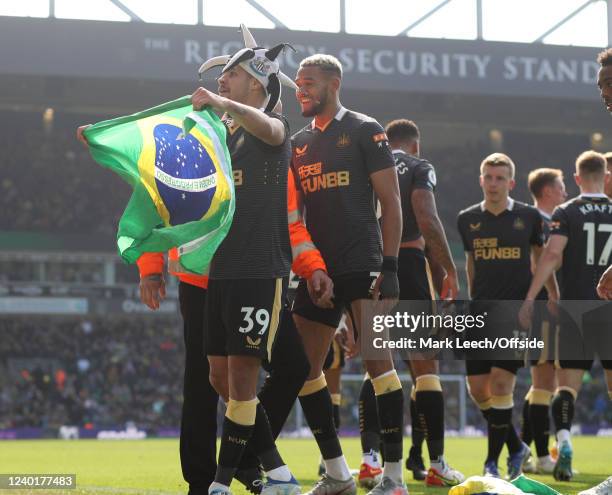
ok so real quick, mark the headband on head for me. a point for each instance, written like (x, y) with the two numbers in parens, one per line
(259, 62)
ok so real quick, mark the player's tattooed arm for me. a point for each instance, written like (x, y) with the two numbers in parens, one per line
(437, 272)
(424, 207)
(268, 129)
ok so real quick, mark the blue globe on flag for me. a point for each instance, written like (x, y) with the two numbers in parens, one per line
(177, 162)
(185, 175)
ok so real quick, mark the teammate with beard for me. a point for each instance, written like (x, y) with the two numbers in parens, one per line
(548, 191)
(340, 159)
(421, 228)
(580, 243)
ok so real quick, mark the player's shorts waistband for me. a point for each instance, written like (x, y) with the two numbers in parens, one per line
(411, 250)
(418, 242)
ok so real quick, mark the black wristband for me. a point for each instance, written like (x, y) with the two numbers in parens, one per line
(389, 264)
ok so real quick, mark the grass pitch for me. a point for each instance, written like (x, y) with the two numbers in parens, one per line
(152, 466)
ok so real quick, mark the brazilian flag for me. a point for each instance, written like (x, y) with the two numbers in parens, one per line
(179, 167)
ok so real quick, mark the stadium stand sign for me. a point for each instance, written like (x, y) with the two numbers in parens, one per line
(68, 290)
(40, 47)
(44, 305)
(24, 299)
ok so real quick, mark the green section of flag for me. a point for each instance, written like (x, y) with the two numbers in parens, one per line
(129, 146)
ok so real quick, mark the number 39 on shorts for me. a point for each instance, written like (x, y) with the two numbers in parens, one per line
(262, 318)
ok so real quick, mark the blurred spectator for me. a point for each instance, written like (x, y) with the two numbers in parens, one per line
(104, 372)
(50, 182)
(100, 371)
(55, 186)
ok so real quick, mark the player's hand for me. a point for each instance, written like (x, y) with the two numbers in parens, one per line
(387, 283)
(450, 287)
(386, 286)
(152, 290)
(202, 98)
(345, 337)
(553, 306)
(321, 289)
(79, 134)
(526, 314)
(604, 293)
(604, 287)
(385, 292)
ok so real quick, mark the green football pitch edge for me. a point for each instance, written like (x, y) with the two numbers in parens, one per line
(152, 466)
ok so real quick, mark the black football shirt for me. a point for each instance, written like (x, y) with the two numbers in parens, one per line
(413, 173)
(332, 168)
(257, 244)
(586, 221)
(501, 247)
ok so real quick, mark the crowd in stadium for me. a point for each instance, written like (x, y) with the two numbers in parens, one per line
(63, 190)
(90, 372)
(105, 372)
(116, 371)
(89, 200)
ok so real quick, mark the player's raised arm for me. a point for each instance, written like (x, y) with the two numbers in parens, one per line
(249, 89)
(268, 129)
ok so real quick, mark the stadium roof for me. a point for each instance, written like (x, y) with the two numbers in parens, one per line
(118, 67)
(563, 22)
